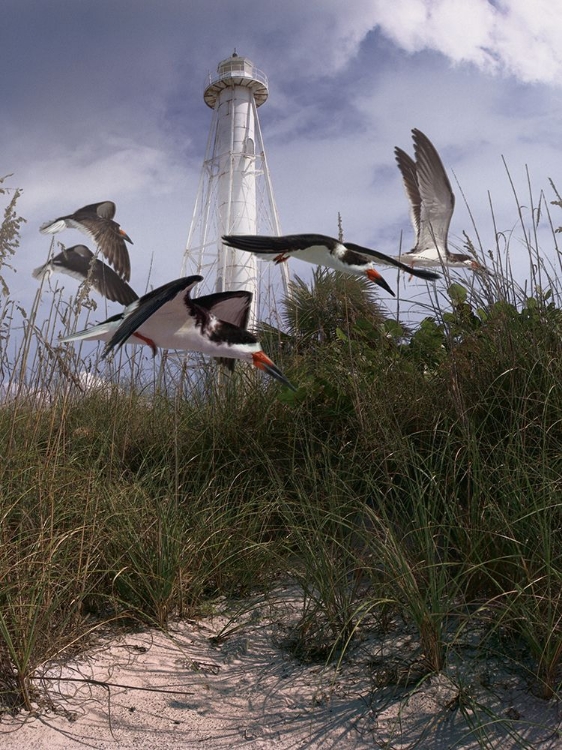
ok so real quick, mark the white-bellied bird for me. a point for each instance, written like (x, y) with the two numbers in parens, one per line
(323, 251)
(168, 318)
(431, 207)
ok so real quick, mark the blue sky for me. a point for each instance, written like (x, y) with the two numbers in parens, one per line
(104, 100)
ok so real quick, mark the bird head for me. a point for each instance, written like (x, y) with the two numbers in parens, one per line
(262, 362)
(375, 277)
(125, 236)
(469, 261)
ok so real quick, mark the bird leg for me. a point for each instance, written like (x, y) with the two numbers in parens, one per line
(148, 341)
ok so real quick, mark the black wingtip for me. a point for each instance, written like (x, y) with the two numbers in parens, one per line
(423, 274)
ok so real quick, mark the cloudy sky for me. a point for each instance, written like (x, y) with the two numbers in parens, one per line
(103, 99)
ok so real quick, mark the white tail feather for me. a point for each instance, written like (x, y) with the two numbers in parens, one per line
(52, 227)
(42, 272)
(104, 332)
(101, 332)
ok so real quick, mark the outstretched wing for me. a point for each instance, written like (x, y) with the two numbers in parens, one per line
(232, 307)
(388, 261)
(108, 237)
(437, 198)
(105, 209)
(79, 262)
(264, 246)
(169, 300)
(407, 167)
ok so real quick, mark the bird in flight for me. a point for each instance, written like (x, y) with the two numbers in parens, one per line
(324, 251)
(80, 263)
(431, 207)
(167, 317)
(96, 220)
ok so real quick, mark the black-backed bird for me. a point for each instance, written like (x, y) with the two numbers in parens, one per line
(168, 318)
(96, 220)
(431, 207)
(323, 251)
(80, 263)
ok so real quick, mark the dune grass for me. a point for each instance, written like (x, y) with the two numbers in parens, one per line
(414, 476)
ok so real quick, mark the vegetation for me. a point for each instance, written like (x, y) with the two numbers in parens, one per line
(415, 476)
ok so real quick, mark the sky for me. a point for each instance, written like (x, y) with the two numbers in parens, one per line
(103, 100)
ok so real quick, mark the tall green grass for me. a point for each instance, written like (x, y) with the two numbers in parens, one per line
(415, 476)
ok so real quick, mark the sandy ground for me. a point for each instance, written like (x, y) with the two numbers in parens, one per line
(186, 690)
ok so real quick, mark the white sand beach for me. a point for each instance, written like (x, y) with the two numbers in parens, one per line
(184, 689)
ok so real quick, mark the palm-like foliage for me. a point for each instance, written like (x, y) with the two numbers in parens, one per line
(313, 312)
(318, 316)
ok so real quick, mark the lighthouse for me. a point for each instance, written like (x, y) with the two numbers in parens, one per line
(235, 194)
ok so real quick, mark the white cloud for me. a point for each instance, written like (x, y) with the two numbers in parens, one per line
(527, 36)
(124, 167)
(520, 38)
(514, 37)
(128, 122)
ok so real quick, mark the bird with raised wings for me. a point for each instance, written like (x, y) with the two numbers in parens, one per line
(81, 263)
(96, 220)
(168, 318)
(323, 251)
(432, 203)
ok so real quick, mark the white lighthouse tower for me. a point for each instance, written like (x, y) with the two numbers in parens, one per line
(234, 194)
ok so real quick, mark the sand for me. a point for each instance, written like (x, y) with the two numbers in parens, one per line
(185, 689)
